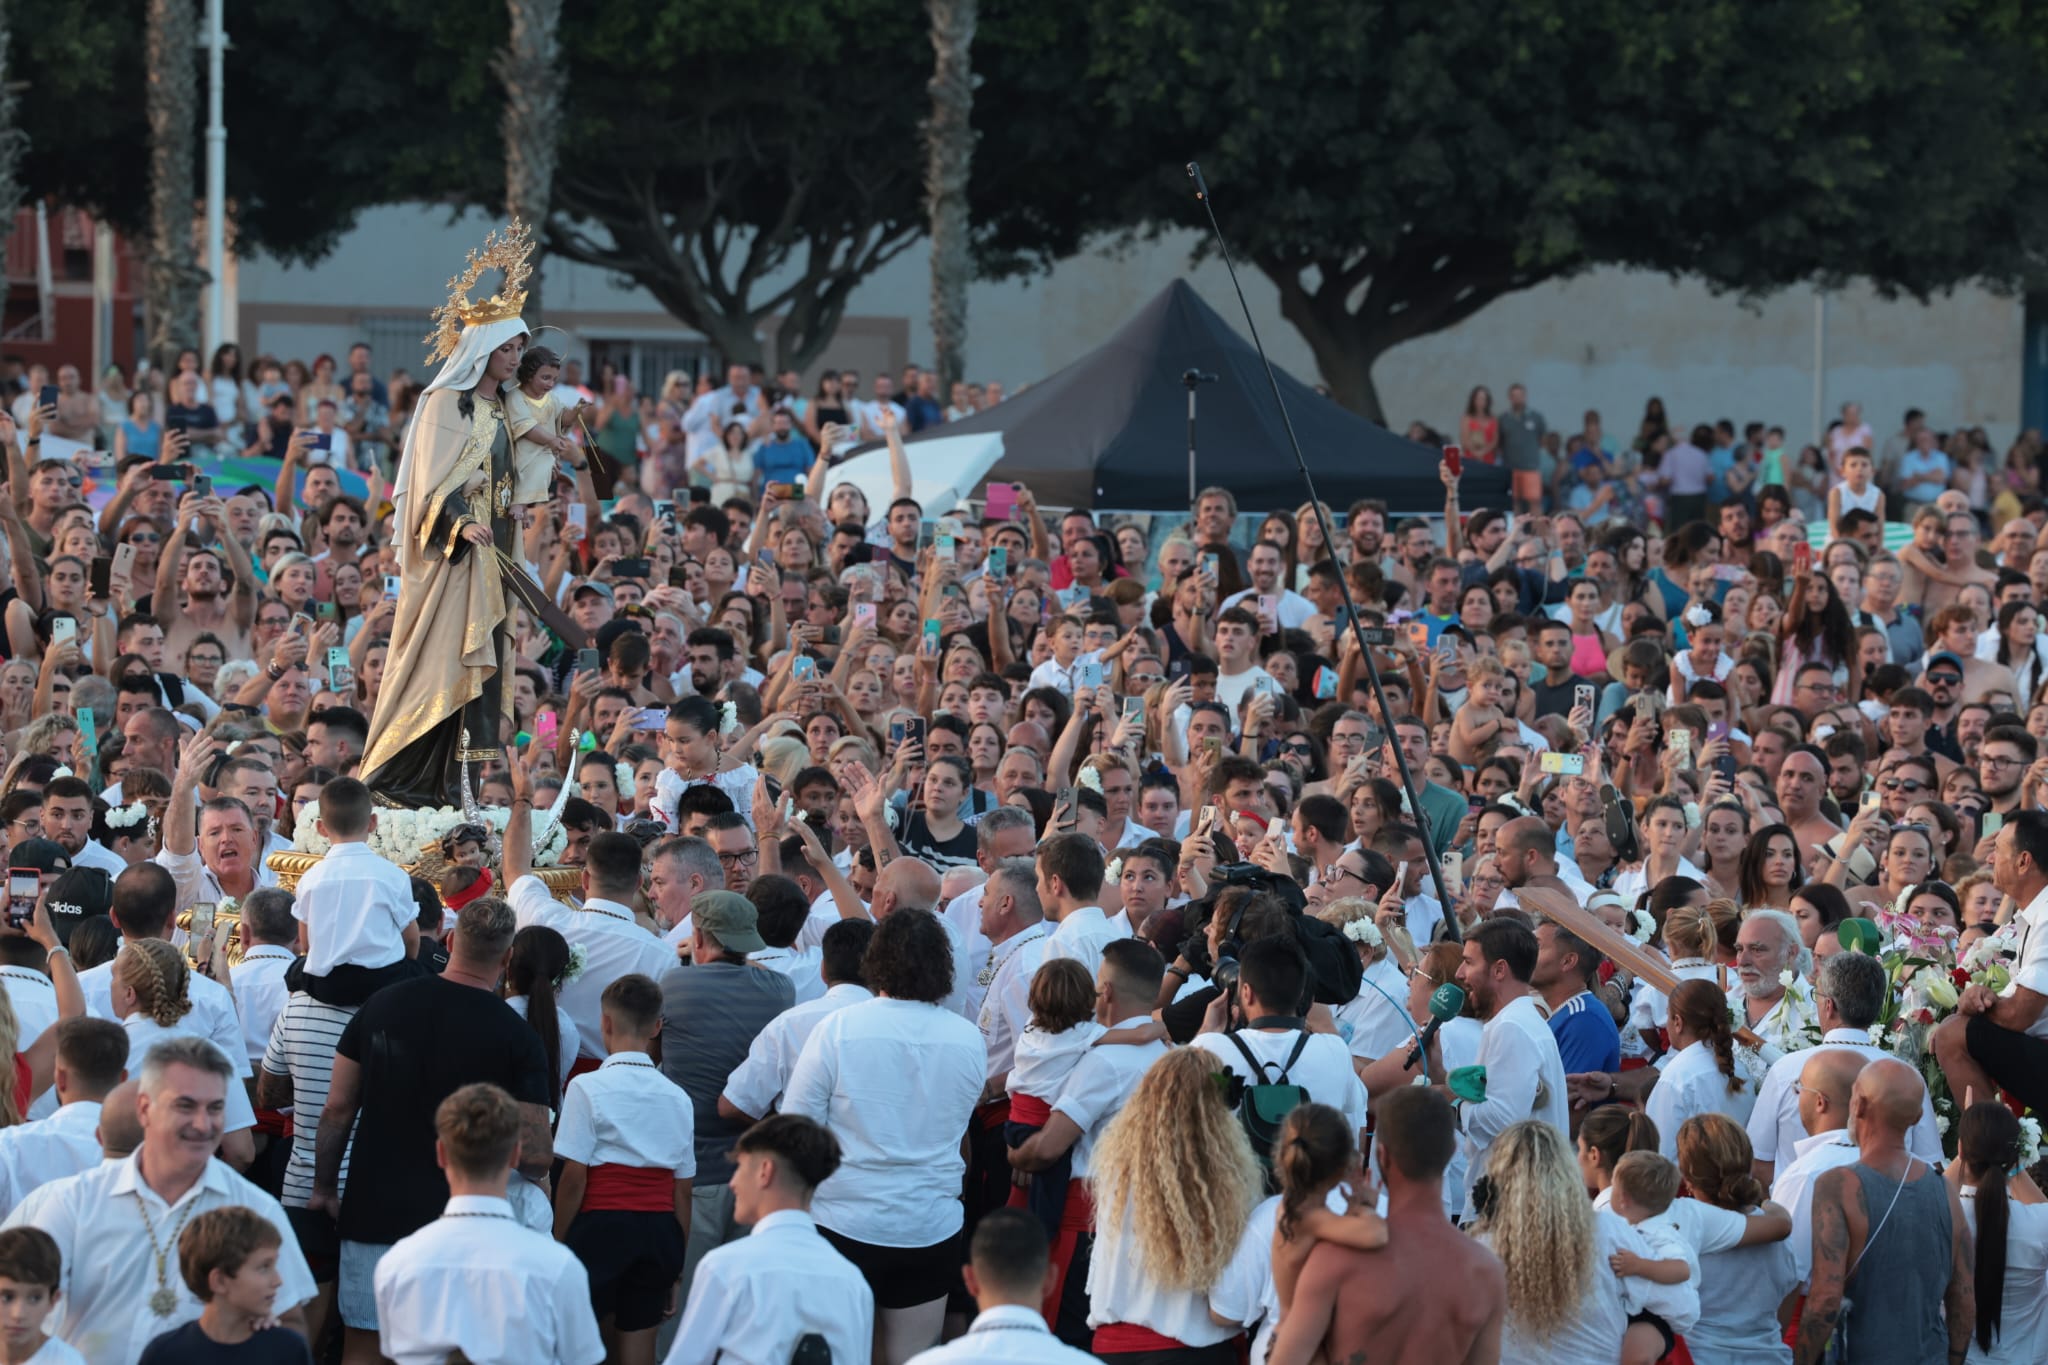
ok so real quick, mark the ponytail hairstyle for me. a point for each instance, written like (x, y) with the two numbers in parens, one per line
(1613, 1130)
(537, 969)
(1312, 1152)
(1699, 930)
(1989, 1147)
(1704, 1010)
(1714, 1156)
(156, 972)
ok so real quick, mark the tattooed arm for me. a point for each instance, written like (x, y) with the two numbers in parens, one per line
(1835, 1195)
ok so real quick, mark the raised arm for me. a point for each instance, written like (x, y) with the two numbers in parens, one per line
(518, 851)
(899, 462)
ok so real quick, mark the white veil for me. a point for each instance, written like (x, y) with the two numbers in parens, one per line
(461, 371)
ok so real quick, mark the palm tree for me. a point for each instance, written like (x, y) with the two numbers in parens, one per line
(172, 276)
(13, 142)
(531, 69)
(949, 158)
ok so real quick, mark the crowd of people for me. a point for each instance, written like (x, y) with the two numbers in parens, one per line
(1593, 930)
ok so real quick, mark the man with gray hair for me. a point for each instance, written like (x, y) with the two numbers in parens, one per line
(1769, 998)
(1005, 832)
(115, 1224)
(270, 937)
(1849, 991)
(678, 871)
(410, 1046)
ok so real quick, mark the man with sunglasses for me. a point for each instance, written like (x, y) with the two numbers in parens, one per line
(1905, 780)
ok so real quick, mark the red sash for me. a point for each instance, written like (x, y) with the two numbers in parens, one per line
(1029, 1110)
(1118, 1338)
(583, 1066)
(274, 1122)
(1077, 1216)
(635, 1189)
(994, 1114)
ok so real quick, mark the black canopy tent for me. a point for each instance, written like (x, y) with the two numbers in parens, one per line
(1110, 429)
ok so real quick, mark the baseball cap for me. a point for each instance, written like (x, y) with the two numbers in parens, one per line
(44, 855)
(603, 590)
(1941, 654)
(77, 894)
(730, 918)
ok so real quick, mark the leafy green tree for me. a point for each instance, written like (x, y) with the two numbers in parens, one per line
(1393, 167)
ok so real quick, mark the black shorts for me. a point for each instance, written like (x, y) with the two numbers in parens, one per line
(903, 1277)
(2017, 1061)
(634, 1259)
(1663, 1327)
(319, 1242)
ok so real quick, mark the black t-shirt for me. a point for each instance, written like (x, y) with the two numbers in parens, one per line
(417, 1043)
(1555, 699)
(188, 1345)
(918, 841)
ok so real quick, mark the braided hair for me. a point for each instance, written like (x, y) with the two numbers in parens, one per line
(1703, 1009)
(156, 972)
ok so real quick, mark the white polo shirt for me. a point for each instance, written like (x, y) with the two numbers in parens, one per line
(758, 1082)
(213, 1014)
(34, 1154)
(752, 1300)
(260, 993)
(627, 1113)
(1082, 935)
(355, 904)
(477, 1281)
(896, 1081)
(2031, 966)
(1098, 1086)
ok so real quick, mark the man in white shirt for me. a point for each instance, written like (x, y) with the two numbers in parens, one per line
(1265, 566)
(113, 1223)
(1850, 992)
(1237, 665)
(1006, 1274)
(1263, 1021)
(1766, 952)
(1070, 870)
(476, 1280)
(707, 418)
(613, 942)
(757, 1083)
(1827, 1080)
(754, 1300)
(92, 1058)
(782, 910)
(146, 906)
(1127, 983)
(2002, 1039)
(269, 932)
(212, 849)
(1524, 1073)
(67, 821)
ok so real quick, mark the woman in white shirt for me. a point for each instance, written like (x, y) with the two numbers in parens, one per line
(2009, 1221)
(1175, 1183)
(1565, 1306)
(540, 965)
(1699, 1074)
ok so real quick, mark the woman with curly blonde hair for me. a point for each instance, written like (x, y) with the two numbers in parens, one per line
(1174, 1181)
(1565, 1307)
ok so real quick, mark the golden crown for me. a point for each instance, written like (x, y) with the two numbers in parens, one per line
(506, 253)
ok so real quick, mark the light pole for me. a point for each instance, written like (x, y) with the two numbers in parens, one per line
(215, 42)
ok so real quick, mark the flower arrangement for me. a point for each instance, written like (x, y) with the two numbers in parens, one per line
(1928, 978)
(404, 835)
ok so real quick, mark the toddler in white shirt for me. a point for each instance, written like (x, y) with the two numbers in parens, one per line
(1645, 1184)
(361, 921)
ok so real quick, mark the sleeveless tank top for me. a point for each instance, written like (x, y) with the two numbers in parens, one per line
(1895, 1293)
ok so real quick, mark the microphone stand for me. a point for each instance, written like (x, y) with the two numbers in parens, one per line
(1192, 380)
(1315, 501)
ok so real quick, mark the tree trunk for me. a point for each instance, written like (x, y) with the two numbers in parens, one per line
(949, 157)
(13, 142)
(171, 276)
(534, 79)
(1341, 342)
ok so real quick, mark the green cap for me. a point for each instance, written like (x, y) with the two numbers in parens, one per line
(728, 917)
(1859, 936)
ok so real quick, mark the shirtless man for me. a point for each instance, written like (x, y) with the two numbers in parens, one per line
(1801, 781)
(1959, 541)
(210, 604)
(1432, 1294)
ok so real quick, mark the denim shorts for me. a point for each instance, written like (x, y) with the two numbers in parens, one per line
(355, 1290)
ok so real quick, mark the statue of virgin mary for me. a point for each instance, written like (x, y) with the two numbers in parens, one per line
(444, 698)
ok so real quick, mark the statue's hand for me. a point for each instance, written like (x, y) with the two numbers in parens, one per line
(476, 533)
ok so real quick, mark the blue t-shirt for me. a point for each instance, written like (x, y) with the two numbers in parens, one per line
(784, 461)
(1587, 1036)
(1435, 623)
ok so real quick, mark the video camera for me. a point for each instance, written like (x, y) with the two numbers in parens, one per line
(1334, 968)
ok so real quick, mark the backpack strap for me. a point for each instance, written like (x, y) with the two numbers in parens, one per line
(1258, 1067)
(1300, 1043)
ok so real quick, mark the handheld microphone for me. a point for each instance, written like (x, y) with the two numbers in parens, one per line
(1445, 1002)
